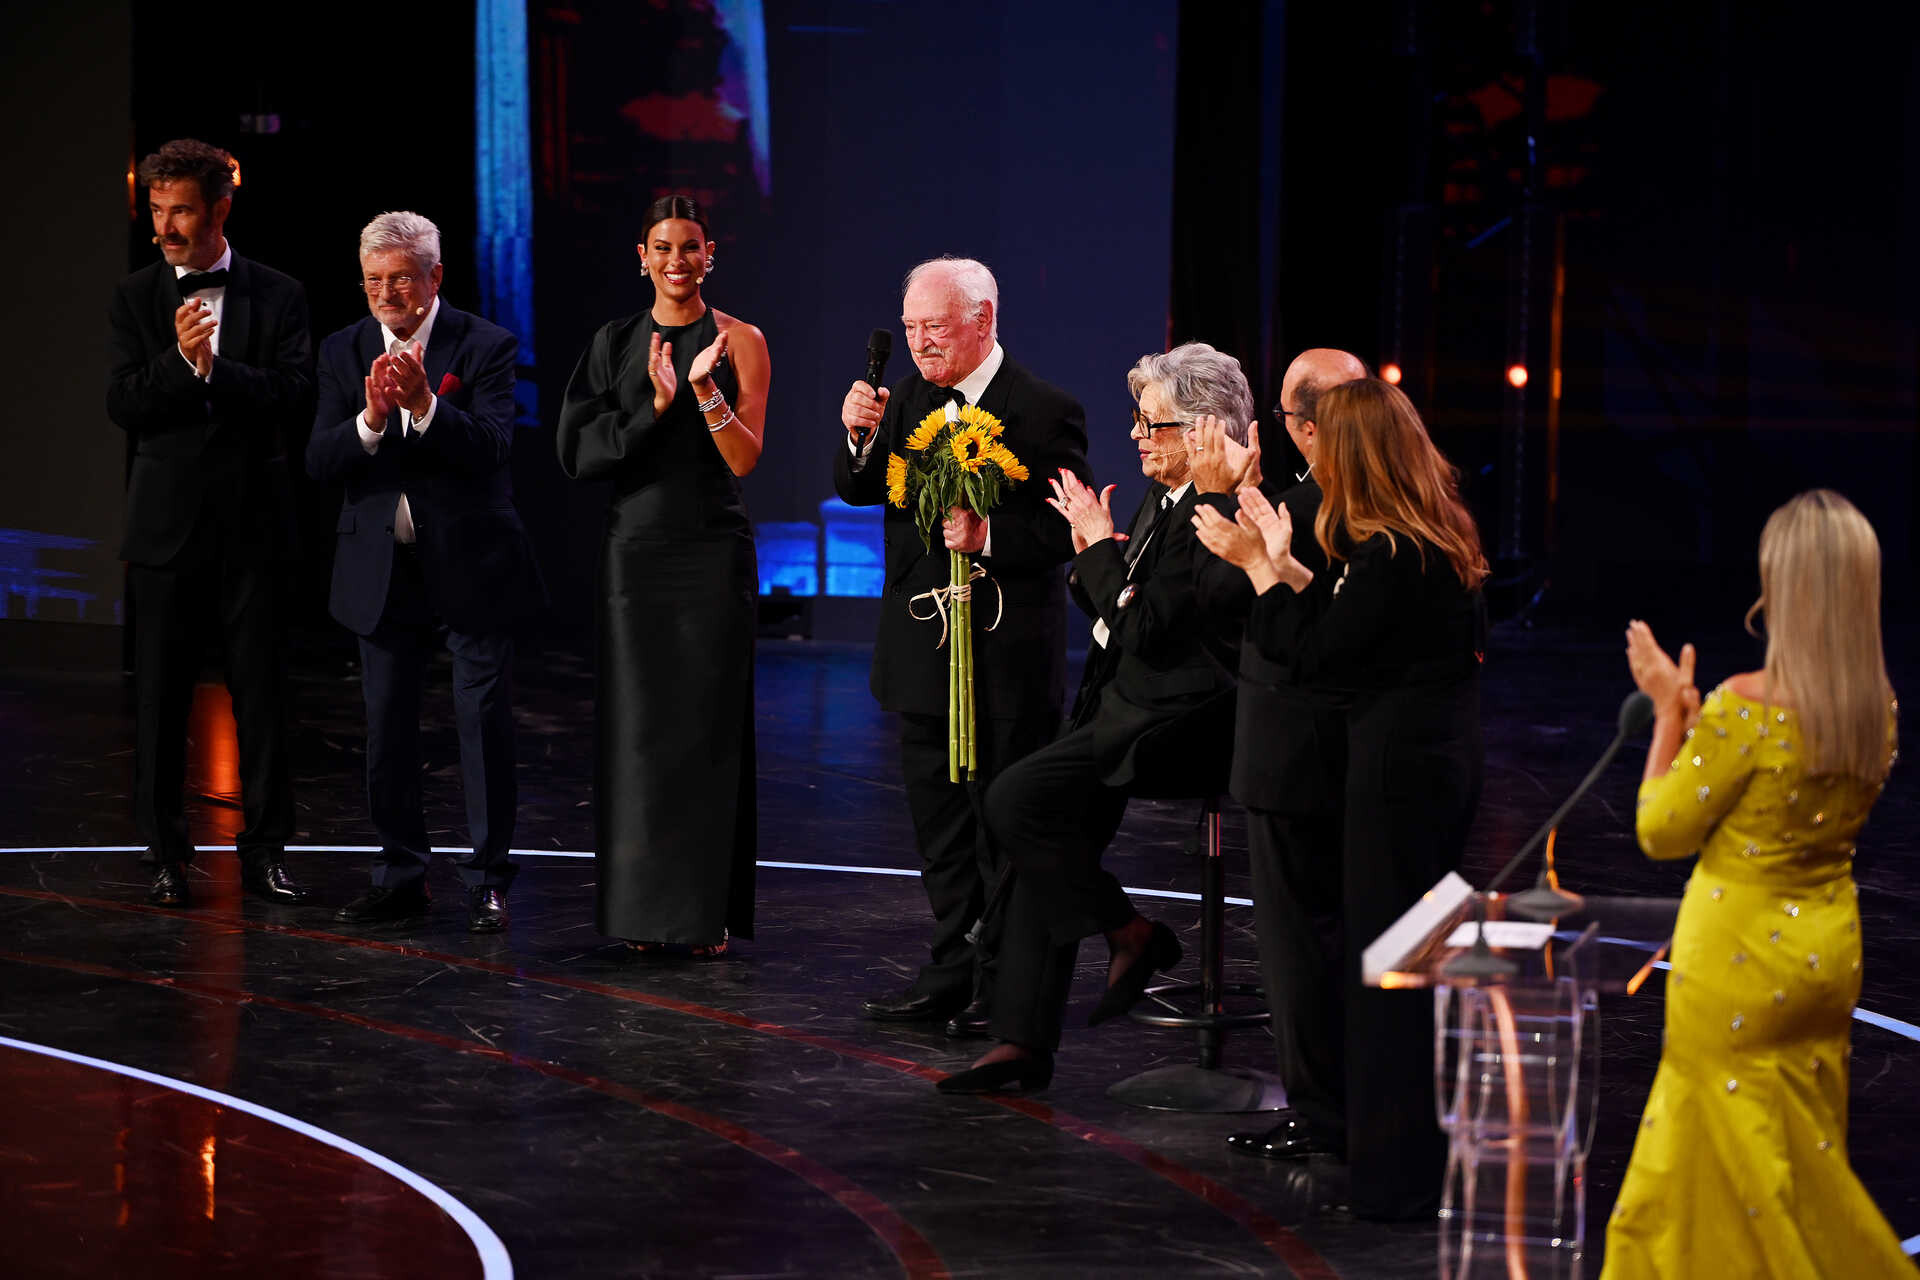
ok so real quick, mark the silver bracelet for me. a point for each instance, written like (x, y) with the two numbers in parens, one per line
(709, 405)
(722, 423)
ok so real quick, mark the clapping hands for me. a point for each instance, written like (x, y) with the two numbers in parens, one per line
(193, 326)
(1668, 683)
(1090, 516)
(1219, 465)
(1258, 540)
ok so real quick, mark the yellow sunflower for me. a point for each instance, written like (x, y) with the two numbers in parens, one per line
(974, 416)
(924, 433)
(896, 480)
(970, 446)
(1002, 457)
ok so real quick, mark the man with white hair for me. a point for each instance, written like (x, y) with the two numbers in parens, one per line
(416, 418)
(950, 312)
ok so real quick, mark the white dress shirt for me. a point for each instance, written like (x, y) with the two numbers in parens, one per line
(370, 439)
(1168, 501)
(973, 386)
(216, 300)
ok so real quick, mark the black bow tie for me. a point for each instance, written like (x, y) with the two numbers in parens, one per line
(946, 395)
(194, 281)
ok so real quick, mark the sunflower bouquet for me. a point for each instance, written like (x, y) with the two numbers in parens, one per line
(954, 458)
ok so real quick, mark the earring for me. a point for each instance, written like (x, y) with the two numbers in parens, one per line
(707, 272)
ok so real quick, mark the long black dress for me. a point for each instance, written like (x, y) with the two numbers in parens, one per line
(1402, 635)
(674, 780)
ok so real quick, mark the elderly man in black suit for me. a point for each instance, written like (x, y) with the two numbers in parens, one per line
(1156, 693)
(950, 311)
(416, 417)
(212, 372)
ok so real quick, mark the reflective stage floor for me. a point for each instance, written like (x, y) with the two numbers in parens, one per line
(244, 1090)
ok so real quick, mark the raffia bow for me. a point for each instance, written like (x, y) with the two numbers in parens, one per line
(941, 597)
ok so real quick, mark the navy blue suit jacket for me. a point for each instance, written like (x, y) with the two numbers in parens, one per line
(474, 552)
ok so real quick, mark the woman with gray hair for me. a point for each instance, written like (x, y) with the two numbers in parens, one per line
(1154, 708)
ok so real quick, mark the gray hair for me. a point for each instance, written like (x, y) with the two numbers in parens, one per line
(1198, 379)
(970, 279)
(410, 233)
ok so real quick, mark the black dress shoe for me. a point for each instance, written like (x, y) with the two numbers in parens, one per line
(1291, 1139)
(970, 1023)
(169, 885)
(386, 902)
(487, 910)
(1162, 952)
(912, 1006)
(269, 881)
(1010, 1075)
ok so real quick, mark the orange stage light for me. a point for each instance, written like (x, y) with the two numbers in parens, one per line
(1517, 375)
(1390, 372)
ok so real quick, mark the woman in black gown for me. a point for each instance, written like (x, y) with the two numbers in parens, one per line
(1404, 632)
(669, 407)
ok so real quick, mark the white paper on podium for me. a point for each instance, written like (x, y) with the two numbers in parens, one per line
(1520, 935)
(1413, 927)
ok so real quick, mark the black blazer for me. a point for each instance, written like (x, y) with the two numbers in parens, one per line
(1166, 661)
(474, 552)
(1289, 749)
(216, 447)
(1019, 667)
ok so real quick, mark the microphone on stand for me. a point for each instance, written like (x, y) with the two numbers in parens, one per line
(1544, 900)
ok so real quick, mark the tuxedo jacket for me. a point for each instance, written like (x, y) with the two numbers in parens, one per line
(474, 552)
(211, 451)
(1289, 752)
(1019, 666)
(1159, 696)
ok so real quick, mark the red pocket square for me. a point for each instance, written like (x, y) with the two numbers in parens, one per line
(448, 385)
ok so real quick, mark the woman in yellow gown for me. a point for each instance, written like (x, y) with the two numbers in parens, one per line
(1740, 1165)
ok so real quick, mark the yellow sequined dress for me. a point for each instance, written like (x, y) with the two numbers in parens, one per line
(1740, 1165)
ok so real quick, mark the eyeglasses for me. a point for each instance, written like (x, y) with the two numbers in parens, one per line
(1284, 413)
(374, 286)
(1144, 429)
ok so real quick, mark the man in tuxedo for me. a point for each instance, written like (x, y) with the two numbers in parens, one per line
(212, 369)
(1289, 771)
(416, 418)
(950, 311)
(1152, 718)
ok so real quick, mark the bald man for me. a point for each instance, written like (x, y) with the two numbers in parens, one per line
(1289, 771)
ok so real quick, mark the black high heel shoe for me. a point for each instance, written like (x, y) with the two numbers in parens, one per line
(1162, 952)
(1009, 1075)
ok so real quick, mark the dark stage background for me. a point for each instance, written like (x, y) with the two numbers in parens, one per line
(1704, 239)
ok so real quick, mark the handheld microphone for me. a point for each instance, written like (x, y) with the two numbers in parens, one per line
(1636, 713)
(879, 347)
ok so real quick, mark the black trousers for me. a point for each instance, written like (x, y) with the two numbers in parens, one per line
(1052, 817)
(1297, 864)
(1413, 782)
(393, 663)
(174, 605)
(958, 865)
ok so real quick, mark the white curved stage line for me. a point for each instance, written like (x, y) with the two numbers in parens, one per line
(460, 1212)
(494, 1262)
(1904, 1029)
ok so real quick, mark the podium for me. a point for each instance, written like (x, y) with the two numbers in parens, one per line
(1517, 1064)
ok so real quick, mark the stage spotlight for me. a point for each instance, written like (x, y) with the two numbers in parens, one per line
(1517, 375)
(1390, 372)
